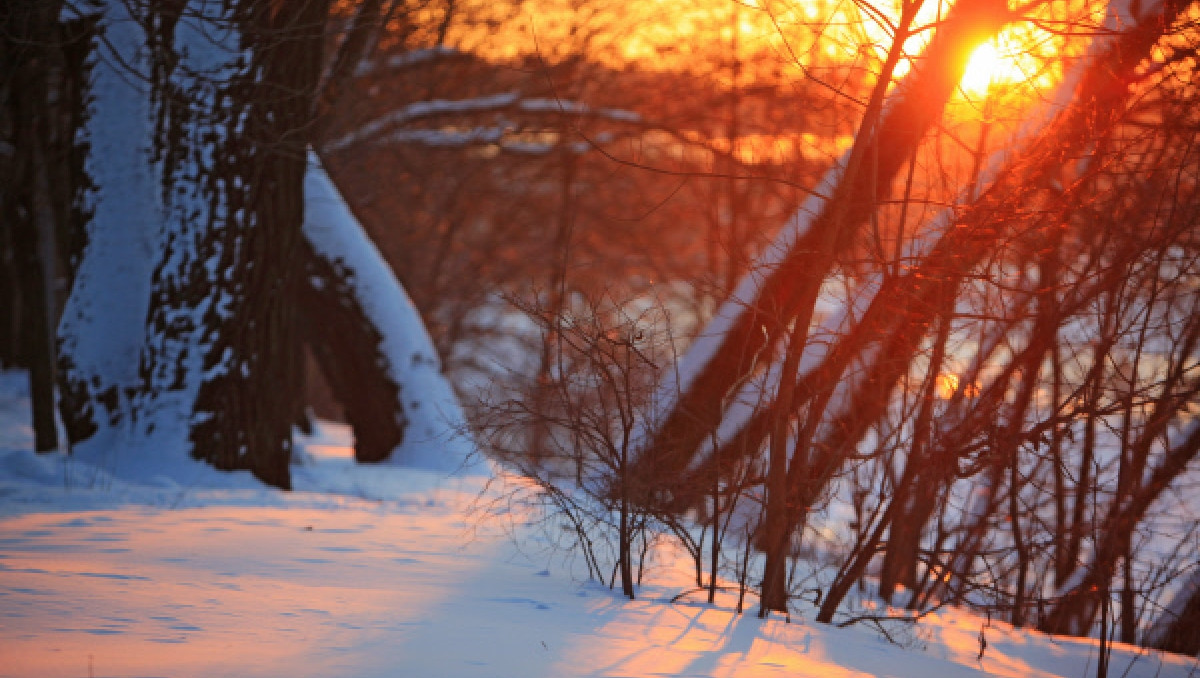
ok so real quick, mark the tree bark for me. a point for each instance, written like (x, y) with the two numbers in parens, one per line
(382, 363)
(244, 412)
(1077, 606)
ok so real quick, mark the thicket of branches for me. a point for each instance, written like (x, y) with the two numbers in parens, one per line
(993, 406)
(975, 368)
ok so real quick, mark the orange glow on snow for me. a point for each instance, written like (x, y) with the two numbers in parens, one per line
(322, 585)
(230, 591)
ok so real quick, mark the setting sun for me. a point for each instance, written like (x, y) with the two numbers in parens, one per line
(991, 66)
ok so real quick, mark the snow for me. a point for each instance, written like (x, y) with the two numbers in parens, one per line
(422, 109)
(382, 571)
(538, 104)
(411, 58)
(376, 131)
(446, 138)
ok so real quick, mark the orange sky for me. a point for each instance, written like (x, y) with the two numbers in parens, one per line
(698, 34)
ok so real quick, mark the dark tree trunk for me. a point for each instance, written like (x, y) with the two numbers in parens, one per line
(1076, 608)
(355, 47)
(39, 339)
(244, 414)
(916, 492)
(32, 60)
(10, 288)
(44, 67)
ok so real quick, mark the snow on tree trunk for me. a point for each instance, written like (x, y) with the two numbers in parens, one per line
(182, 330)
(374, 333)
(233, 82)
(180, 324)
(102, 326)
(248, 396)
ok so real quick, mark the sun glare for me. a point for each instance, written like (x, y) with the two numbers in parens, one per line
(990, 66)
(946, 385)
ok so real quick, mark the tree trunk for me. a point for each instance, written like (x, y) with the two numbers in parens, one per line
(115, 248)
(916, 492)
(182, 329)
(372, 345)
(348, 347)
(1077, 606)
(30, 53)
(245, 405)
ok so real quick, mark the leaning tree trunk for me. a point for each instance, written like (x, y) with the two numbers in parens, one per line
(788, 277)
(949, 260)
(346, 346)
(371, 344)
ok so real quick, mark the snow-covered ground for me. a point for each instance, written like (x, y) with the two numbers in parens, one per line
(387, 571)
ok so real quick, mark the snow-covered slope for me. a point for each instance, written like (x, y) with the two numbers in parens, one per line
(385, 571)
